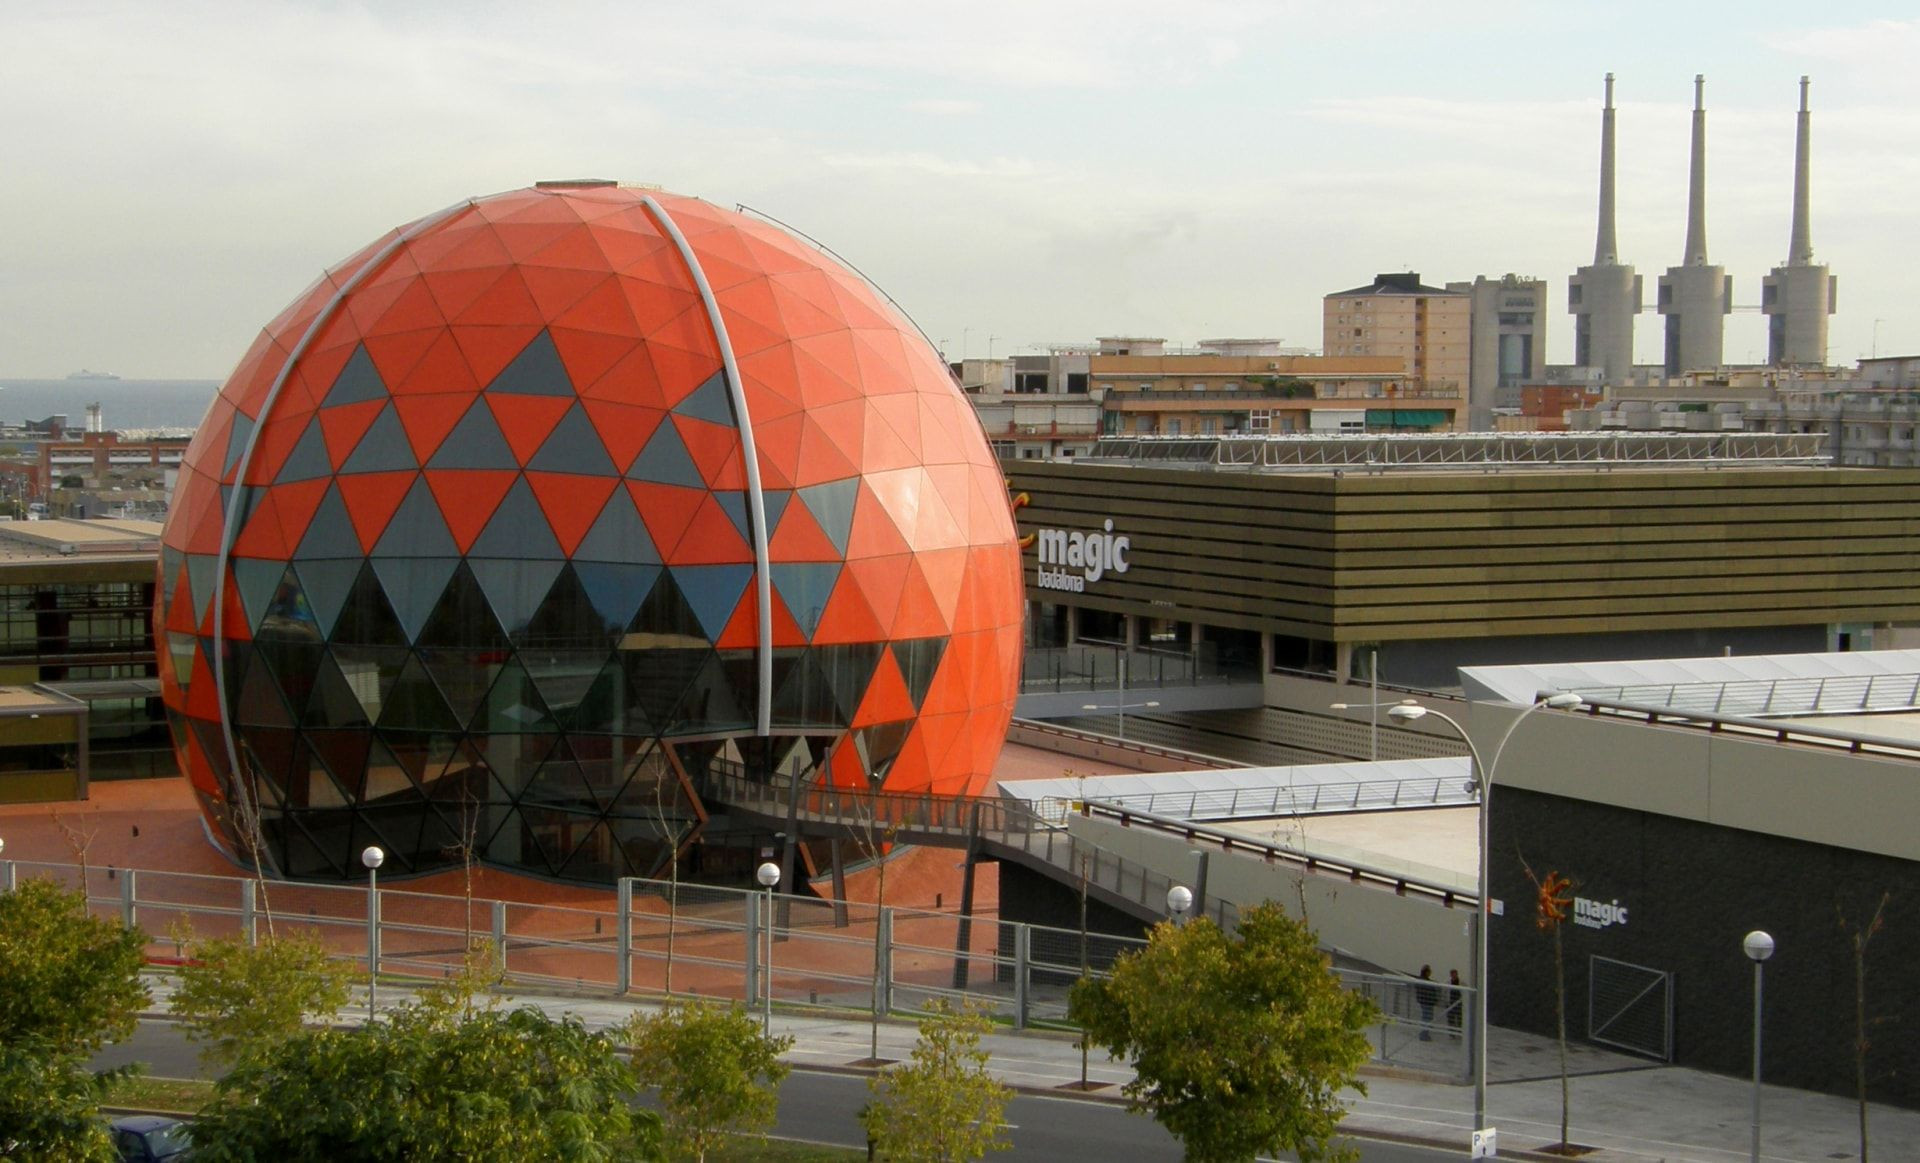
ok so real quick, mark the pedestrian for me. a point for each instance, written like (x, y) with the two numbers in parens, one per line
(1426, 993)
(1456, 1001)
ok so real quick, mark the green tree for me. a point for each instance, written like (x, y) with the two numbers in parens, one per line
(1240, 1044)
(240, 999)
(67, 979)
(50, 1107)
(418, 1087)
(941, 1105)
(716, 1073)
(69, 984)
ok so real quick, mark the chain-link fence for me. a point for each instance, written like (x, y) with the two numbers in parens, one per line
(730, 944)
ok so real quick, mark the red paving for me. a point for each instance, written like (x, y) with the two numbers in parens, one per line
(153, 824)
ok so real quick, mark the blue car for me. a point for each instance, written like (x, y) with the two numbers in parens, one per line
(151, 1138)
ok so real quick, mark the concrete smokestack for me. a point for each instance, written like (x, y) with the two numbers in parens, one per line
(1604, 298)
(1695, 296)
(1606, 250)
(1797, 298)
(1697, 180)
(1800, 247)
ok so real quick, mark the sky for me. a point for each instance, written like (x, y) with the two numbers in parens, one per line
(1014, 173)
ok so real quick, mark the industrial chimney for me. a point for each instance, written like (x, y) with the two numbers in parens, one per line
(1798, 297)
(1696, 296)
(1605, 297)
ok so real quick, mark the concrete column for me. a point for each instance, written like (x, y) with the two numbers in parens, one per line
(129, 911)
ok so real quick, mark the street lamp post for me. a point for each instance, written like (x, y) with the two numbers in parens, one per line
(1758, 946)
(1179, 900)
(1482, 783)
(373, 858)
(768, 875)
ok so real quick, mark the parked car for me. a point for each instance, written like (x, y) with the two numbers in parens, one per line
(151, 1138)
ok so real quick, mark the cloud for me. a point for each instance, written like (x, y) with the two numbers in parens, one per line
(944, 107)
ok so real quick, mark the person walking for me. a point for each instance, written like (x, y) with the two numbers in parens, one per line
(1427, 994)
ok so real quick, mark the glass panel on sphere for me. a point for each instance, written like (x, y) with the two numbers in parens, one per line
(563, 677)
(618, 535)
(664, 620)
(657, 679)
(567, 618)
(258, 580)
(413, 701)
(289, 616)
(345, 754)
(464, 678)
(333, 702)
(514, 588)
(463, 618)
(603, 708)
(330, 533)
(327, 585)
(294, 666)
(919, 659)
(371, 672)
(517, 530)
(615, 591)
(417, 530)
(711, 702)
(367, 616)
(573, 447)
(514, 704)
(383, 448)
(475, 443)
(386, 777)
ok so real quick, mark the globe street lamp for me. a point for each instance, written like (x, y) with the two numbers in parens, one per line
(1482, 783)
(768, 875)
(1758, 946)
(373, 858)
(1179, 900)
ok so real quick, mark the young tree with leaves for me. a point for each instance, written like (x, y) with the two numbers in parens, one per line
(241, 999)
(1859, 937)
(422, 1088)
(941, 1106)
(69, 984)
(716, 1073)
(1241, 1044)
(1553, 897)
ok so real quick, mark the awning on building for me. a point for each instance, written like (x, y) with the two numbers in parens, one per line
(1405, 417)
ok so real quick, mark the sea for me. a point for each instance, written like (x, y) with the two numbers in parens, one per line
(125, 405)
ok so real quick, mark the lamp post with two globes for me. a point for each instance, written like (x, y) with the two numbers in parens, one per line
(1482, 783)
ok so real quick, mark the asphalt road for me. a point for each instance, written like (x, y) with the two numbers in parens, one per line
(821, 1107)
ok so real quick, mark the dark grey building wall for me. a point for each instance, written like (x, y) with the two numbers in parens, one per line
(1692, 891)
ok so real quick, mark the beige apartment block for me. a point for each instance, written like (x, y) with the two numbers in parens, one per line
(1268, 394)
(1397, 316)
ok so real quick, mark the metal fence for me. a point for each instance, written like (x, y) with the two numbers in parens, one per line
(658, 938)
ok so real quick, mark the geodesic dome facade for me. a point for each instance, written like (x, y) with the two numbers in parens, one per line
(527, 524)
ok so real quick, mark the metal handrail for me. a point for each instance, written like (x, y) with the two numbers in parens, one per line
(1742, 725)
(1236, 842)
(1278, 799)
(1825, 694)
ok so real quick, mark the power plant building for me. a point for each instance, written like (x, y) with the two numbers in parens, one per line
(1798, 297)
(1605, 297)
(1696, 296)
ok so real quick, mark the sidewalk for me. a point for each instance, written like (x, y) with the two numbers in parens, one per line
(1634, 1110)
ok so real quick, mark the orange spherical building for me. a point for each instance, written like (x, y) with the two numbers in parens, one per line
(544, 521)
